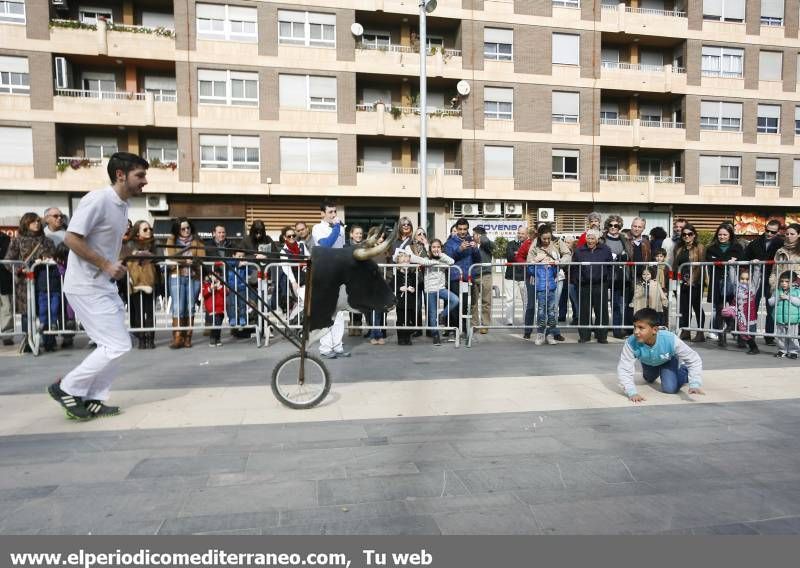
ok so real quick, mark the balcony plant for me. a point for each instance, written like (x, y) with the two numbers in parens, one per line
(158, 31)
(396, 112)
(157, 163)
(75, 164)
(72, 25)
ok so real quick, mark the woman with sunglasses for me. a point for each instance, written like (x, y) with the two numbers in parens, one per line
(691, 280)
(618, 286)
(184, 279)
(292, 280)
(405, 233)
(722, 282)
(142, 282)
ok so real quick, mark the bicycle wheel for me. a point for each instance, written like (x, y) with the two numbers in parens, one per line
(294, 393)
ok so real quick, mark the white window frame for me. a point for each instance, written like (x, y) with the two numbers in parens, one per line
(723, 17)
(13, 80)
(307, 28)
(566, 3)
(498, 110)
(768, 124)
(721, 122)
(797, 120)
(324, 104)
(772, 20)
(161, 149)
(560, 157)
(227, 98)
(376, 39)
(227, 32)
(107, 147)
(89, 15)
(498, 51)
(767, 178)
(9, 17)
(607, 114)
(566, 118)
(161, 93)
(609, 167)
(309, 158)
(227, 162)
(722, 58)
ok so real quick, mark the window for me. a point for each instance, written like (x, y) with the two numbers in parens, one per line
(797, 120)
(649, 167)
(377, 159)
(767, 172)
(162, 87)
(771, 12)
(566, 107)
(376, 40)
(227, 87)
(769, 118)
(14, 76)
(724, 10)
(90, 16)
(12, 11)
(98, 84)
(498, 44)
(309, 155)
(609, 111)
(99, 148)
(229, 152)
(566, 49)
(770, 65)
(609, 167)
(227, 23)
(720, 170)
(651, 60)
(158, 20)
(307, 92)
(498, 161)
(165, 151)
(498, 103)
(649, 112)
(16, 146)
(306, 28)
(717, 115)
(796, 174)
(722, 61)
(609, 57)
(567, 3)
(565, 164)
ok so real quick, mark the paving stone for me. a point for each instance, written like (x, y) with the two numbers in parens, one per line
(250, 498)
(613, 515)
(533, 445)
(277, 476)
(37, 474)
(788, 525)
(455, 504)
(299, 432)
(398, 525)
(507, 520)
(167, 467)
(389, 488)
(106, 528)
(732, 529)
(348, 512)
(379, 470)
(219, 523)
(25, 493)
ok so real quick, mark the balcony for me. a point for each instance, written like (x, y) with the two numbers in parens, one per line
(642, 77)
(373, 58)
(116, 107)
(77, 173)
(442, 182)
(114, 40)
(642, 133)
(393, 120)
(629, 20)
(648, 189)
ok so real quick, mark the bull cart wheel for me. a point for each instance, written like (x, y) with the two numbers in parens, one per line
(296, 392)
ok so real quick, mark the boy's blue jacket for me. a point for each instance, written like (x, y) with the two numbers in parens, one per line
(667, 346)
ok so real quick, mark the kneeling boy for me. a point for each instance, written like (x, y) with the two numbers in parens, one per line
(662, 354)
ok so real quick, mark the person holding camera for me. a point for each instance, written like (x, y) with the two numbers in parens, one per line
(465, 252)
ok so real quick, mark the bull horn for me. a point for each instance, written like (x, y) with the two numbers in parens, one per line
(375, 250)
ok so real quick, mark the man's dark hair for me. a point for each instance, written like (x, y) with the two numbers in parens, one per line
(462, 221)
(658, 233)
(660, 251)
(773, 222)
(326, 203)
(649, 316)
(126, 162)
(680, 220)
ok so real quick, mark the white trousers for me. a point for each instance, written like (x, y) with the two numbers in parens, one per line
(331, 340)
(6, 313)
(103, 318)
(515, 294)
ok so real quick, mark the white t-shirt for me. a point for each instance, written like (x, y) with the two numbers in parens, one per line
(322, 231)
(102, 219)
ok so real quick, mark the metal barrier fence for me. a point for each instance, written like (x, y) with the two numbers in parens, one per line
(600, 296)
(11, 320)
(744, 299)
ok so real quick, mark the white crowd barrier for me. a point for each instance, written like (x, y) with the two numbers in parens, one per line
(11, 320)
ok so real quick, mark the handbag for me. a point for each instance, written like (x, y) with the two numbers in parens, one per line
(729, 311)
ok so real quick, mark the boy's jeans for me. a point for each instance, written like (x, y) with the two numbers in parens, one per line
(673, 376)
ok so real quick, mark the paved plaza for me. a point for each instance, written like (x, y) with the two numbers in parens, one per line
(500, 438)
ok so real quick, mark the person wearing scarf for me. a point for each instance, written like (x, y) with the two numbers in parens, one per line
(185, 278)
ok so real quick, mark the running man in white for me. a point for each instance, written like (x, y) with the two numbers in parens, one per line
(94, 238)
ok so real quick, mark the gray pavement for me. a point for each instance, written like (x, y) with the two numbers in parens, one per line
(731, 468)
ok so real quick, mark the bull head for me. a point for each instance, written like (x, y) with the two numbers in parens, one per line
(371, 247)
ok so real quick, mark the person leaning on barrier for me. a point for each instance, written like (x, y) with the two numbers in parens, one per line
(185, 278)
(292, 280)
(356, 238)
(618, 283)
(514, 278)
(548, 256)
(691, 281)
(762, 249)
(6, 287)
(722, 282)
(662, 354)
(464, 251)
(142, 282)
(482, 282)
(785, 307)
(29, 246)
(788, 256)
(591, 283)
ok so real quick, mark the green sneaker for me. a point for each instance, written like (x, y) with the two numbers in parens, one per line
(74, 406)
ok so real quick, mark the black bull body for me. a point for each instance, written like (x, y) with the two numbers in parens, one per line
(354, 269)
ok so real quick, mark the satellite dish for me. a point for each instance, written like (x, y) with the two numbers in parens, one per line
(357, 29)
(430, 6)
(463, 88)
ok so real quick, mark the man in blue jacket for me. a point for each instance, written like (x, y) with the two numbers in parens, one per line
(465, 252)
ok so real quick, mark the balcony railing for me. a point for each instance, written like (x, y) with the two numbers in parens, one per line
(625, 178)
(395, 48)
(661, 124)
(372, 107)
(405, 171)
(615, 121)
(647, 11)
(107, 95)
(721, 73)
(639, 67)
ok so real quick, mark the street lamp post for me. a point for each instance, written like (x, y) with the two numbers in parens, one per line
(425, 8)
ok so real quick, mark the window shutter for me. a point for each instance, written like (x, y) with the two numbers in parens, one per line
(498, 161)
(213, 140)
(211, 75)
(322, 87)
(214, 11)
(609, 54)
(566, 49)
(767, 165)
(772, 8)
(158, 20)
(324, 155)
(317, 18)
(710, 108)
(497, 35)
(242, 14)
(770, 64)
(655, 58)
(292, 91)
(609, 107)
(732, 110)
(566, 103)
(291, 16)
(709, 170)
(371, 96)
(769, 111)
(498, 94)
(13, 64)
(567, 153)
(797, 113)
(796, 176)
(294, 154)
(377, 159)
(245, 141)
(712, 8)
(650, 110)
(734, 9)
(731, 161)
(159, 82)
(16, 146)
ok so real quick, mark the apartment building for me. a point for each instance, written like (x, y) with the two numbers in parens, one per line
(536, 108)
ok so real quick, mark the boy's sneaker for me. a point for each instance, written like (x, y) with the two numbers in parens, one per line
(539, 339)
(551, 340)
(100, 410)
(792, 355)
(74, 406)
(218, 343)
(780, 354)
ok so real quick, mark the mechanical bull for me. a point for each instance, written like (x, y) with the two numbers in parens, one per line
(347, 279)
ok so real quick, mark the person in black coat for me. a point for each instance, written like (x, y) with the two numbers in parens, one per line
(591, 283)
(764, 248)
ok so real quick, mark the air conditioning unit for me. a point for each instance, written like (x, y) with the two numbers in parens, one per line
(546, 215)
(157, 202)
(493, 208)
(514, 209)
(470, 210)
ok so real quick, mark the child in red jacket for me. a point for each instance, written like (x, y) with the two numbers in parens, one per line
(214, 302)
